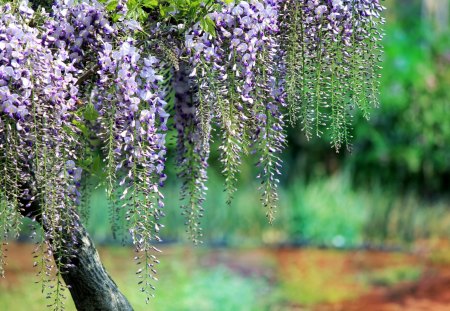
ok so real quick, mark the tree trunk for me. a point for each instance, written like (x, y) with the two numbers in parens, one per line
(91, 287)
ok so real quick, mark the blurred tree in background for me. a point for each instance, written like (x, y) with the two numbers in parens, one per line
(405, 144)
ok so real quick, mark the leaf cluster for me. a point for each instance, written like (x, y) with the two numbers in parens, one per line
(182, 13)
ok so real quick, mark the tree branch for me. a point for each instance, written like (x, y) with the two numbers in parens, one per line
(85, 76)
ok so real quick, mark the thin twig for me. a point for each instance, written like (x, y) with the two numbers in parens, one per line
(85, 76)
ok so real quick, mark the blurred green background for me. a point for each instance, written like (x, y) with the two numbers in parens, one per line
(347, 224)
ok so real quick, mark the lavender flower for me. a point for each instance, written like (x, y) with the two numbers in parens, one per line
(43, 78)
(235, 70)
(37, 95)
(133, 121)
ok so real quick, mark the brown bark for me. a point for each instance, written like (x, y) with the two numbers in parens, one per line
(91, 287)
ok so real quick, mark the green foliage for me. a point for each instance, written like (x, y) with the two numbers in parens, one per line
(327, 212)
(394, 275)
(405, 218)
(330, 211)
(47, 4)
(176, 12)
(405, 144)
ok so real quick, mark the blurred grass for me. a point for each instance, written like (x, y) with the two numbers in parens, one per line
(393, 275)
(326, 211)
(184, 285)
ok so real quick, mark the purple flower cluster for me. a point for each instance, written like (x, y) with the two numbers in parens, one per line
(134, 121)
(128, 91)
(235, 71)
(30, 72)
(242, 31)
(80, 59)
(36, 85)
(78, 28)
(38, 93)
(192, 150)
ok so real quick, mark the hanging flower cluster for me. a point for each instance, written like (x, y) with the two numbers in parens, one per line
(192, 151)
(38, 92)
(81, 29)
(131, 118)
(133, 122)
(332, 60)
(235, 72)
(318, 57)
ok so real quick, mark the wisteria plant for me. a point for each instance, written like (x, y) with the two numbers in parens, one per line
(92, 88)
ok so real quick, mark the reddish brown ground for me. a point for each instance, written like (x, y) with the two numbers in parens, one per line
(19, 261)
(430, 293)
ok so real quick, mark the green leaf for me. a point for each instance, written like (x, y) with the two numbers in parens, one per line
(162, 11)
(97, 164)
(85, 163)
(150, 3)
(208, 25)
(111, 5)
(82, 127)
(90, 113)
